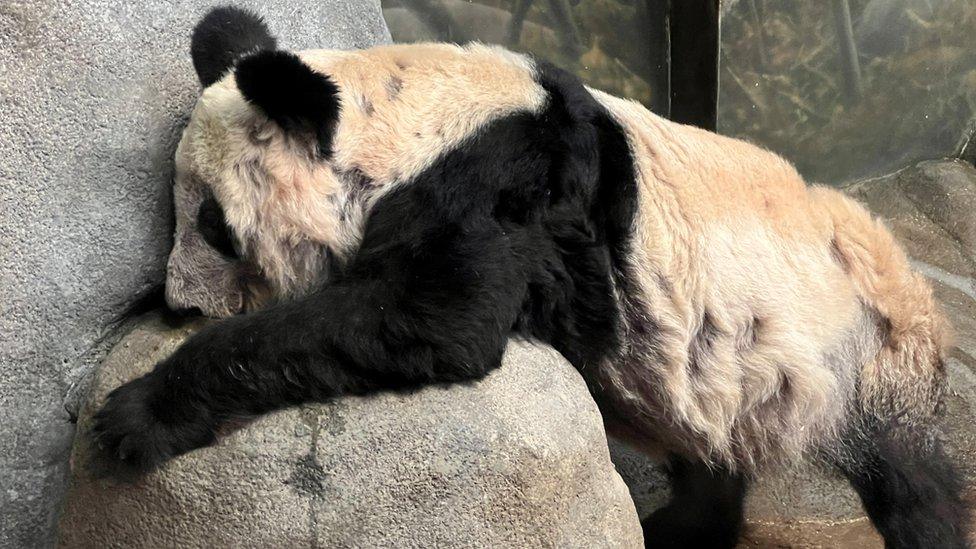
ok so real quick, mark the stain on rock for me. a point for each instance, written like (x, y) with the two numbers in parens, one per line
(334, 422)
(308, 477)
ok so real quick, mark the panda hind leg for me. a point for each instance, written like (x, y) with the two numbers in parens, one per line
(909, 487)
(705, 510)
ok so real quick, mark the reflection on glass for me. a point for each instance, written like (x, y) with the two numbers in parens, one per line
(843, 88)
(606, 42)
(785, 81)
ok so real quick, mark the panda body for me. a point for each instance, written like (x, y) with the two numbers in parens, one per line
(397, 213)
(759, 333)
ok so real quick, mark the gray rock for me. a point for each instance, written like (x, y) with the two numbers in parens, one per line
(517, 460)
(92, 99)
(930, 207)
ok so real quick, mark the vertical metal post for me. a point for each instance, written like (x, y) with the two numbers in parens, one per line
(694, 31)
(657, 46)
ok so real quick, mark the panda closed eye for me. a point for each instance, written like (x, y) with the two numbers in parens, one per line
(214, 229)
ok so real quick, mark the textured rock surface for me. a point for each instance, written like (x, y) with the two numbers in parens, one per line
(930, 207)
(517, 460)
(92, 99)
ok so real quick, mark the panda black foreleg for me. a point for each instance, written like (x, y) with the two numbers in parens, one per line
(909, 487)
(403, 315)
(705, 510)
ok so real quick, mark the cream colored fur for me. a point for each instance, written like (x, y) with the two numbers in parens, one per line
(907, 376)
(842, 324)
(767, 313)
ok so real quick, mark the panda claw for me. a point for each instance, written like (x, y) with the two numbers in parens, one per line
(129, 440)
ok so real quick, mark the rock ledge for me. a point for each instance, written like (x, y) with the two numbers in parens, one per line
(517, 460)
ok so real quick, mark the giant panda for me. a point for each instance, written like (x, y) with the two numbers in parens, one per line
(389, 218)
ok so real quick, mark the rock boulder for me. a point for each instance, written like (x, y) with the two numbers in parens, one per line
(517, 460)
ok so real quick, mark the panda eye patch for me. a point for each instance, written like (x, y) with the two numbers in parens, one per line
(213, 226)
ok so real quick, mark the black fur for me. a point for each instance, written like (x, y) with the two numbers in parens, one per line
(291, 93)
(910, 489)
(705, 510)
(213, 227)
(223, 36)
(515, 231)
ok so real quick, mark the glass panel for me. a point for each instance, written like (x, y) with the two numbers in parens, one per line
(614, 45)
(843, 88)
(905, 91)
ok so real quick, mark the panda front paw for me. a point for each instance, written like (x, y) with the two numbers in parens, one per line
(135, 431)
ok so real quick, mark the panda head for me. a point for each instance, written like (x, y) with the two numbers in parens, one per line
(285, 153)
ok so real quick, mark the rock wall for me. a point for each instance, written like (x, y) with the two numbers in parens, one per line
(517, 460)
(93, 96)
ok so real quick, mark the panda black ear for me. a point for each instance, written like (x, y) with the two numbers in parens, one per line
(292, 94)
(223, 36)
